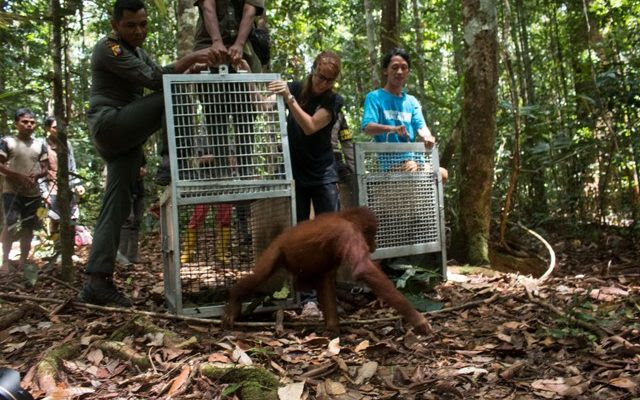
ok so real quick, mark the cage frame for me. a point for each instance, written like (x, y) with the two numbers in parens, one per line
(175, 193)
(360, 150)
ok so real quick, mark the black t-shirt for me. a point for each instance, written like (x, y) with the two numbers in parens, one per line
(312, 157)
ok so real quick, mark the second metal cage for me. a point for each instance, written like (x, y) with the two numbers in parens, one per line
(401, 184)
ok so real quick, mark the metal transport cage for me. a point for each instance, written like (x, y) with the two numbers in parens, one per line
(409, 205)
(231, 188)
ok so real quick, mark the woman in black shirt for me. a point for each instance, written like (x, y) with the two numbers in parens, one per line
(313, 110)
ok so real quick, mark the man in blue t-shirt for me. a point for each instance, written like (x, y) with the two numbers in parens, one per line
(392, 115)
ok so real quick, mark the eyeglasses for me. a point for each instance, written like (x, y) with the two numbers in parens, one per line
(323, 78)
(28, 122)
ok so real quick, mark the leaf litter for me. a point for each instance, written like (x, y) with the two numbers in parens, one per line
(575, 336)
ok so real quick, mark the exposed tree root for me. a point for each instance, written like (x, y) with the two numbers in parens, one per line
(124, 352)
(142, 325)
(255, 383)
(47, 368)
(12, 316)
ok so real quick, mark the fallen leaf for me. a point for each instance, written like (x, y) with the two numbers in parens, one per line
(333, 348)
(155, 339)
(11, 347)
(471, 370)
(334, 388)
(44, 325)
(87, 340)
(573, 386)
(26, 329)
(365, 372)
(624, 383)
(218, 357)
(68, 393)
(180, 380)
(512, 325)
(241, 357)
(608, 293)
(292, 391)
(504, 338)
(95, 356)
(361, 346)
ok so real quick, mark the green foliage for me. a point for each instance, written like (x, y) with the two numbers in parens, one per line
(578, 96)
(30, 272)
(415, 277)
(423, 304)
(282, 293)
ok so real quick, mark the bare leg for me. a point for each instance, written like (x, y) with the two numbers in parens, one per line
(7, 241)
(26, 235)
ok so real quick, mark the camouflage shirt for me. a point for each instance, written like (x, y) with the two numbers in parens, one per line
(119, 74)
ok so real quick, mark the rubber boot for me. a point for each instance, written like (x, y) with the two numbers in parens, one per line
(132, 250)
(121, 255)
(189, 246)
(223, 242)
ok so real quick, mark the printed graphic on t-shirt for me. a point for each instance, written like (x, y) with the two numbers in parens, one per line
(397, 115)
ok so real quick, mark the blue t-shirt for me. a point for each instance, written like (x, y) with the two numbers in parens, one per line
(384, 108)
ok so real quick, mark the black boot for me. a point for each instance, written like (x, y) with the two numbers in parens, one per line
(163, 174)
(100, 290)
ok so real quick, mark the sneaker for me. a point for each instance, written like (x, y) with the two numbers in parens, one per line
(163, 175)
(100, 290)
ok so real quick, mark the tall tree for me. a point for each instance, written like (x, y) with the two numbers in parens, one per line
(479, 127)
(390, 21)
(418, 48)
(186, 16)
(62, 177)
(371, 43)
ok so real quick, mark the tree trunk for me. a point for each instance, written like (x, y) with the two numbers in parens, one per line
(186, 16)
(371, 44)
(479, 128)
(536, 178)
(515, 105)
(458, 49)
(419, 65)
(64, 194)
(390, 21)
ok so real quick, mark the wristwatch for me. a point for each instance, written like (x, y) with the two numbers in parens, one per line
(289, 98)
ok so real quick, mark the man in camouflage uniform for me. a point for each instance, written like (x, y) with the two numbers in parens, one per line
(225, 27)
(120, 121)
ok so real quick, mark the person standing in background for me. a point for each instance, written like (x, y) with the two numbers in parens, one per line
(49, 185)
(23, 161)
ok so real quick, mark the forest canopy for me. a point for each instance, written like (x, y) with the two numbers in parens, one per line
(567, 92)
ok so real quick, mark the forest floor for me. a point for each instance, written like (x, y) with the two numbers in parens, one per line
(499, 336)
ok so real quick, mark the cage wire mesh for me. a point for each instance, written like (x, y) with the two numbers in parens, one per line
(231, 190)
(408, 204)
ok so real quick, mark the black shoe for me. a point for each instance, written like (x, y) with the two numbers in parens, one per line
(100, 290)
(163, 175)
